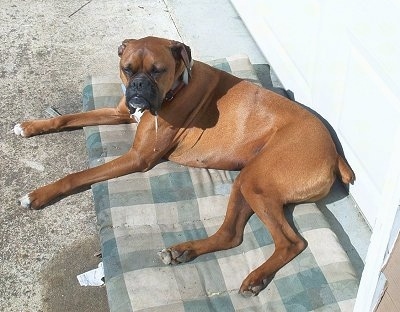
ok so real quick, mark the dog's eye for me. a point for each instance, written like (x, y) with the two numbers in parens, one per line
(127, 70)
(157, 70)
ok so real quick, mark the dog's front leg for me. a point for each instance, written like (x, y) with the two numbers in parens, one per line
(127, 163)
(101, 116)
(148, 148)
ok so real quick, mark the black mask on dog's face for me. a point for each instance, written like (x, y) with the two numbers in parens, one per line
(142, 94)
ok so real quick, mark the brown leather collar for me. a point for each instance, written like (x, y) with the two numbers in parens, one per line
(171, 93)
(179, 84)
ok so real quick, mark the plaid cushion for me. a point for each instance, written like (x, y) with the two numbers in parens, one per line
(142, 213)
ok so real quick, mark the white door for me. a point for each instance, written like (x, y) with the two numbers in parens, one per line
(342, 58)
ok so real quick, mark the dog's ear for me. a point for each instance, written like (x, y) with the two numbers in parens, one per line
(123, 45)
(181, 51)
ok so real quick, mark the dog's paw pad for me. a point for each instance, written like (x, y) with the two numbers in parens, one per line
(25, 201)
(18, 130)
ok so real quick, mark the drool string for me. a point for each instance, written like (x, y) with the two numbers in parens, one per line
(156, 127)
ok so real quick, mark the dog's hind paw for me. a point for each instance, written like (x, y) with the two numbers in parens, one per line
(172, 256)
(252, 285)
(252, 291)
(165, 256)
(18, 130)
(25, 201)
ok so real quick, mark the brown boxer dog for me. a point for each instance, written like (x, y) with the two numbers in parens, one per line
(199, 116)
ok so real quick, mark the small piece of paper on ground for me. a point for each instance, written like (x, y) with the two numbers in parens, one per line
(93, 277)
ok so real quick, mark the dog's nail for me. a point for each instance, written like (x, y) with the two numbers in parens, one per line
(18, 130)
(25, 201)
(165, 256)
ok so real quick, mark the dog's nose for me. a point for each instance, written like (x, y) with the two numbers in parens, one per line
(137, 84)
(140, 83)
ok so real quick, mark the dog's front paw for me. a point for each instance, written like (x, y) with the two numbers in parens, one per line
(31, 128)
(19, 130)
(173, 256)
(25, 201)
(36, 199)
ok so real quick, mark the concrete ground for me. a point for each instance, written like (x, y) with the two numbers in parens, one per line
(48, 48)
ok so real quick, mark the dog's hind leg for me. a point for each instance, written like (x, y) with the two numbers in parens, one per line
(229, 235)
(268, 183)
(287, 243)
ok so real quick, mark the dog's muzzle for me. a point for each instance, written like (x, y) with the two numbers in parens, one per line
(141, 93)
(138, 102)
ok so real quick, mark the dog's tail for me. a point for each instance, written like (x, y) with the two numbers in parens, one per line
(344, 170)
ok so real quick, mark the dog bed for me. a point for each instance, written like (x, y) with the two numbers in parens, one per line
(142, 213)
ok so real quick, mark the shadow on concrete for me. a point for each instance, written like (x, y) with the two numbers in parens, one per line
(62, 291)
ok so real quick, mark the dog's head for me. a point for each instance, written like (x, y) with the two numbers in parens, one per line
(150, 68)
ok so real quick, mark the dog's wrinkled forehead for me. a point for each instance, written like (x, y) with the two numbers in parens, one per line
(146, 54)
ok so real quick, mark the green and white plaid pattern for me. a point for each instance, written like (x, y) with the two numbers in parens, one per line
(142, 213)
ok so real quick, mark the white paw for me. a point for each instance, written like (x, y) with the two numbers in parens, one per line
(165, 256)
(18, 130)
(25, 201)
